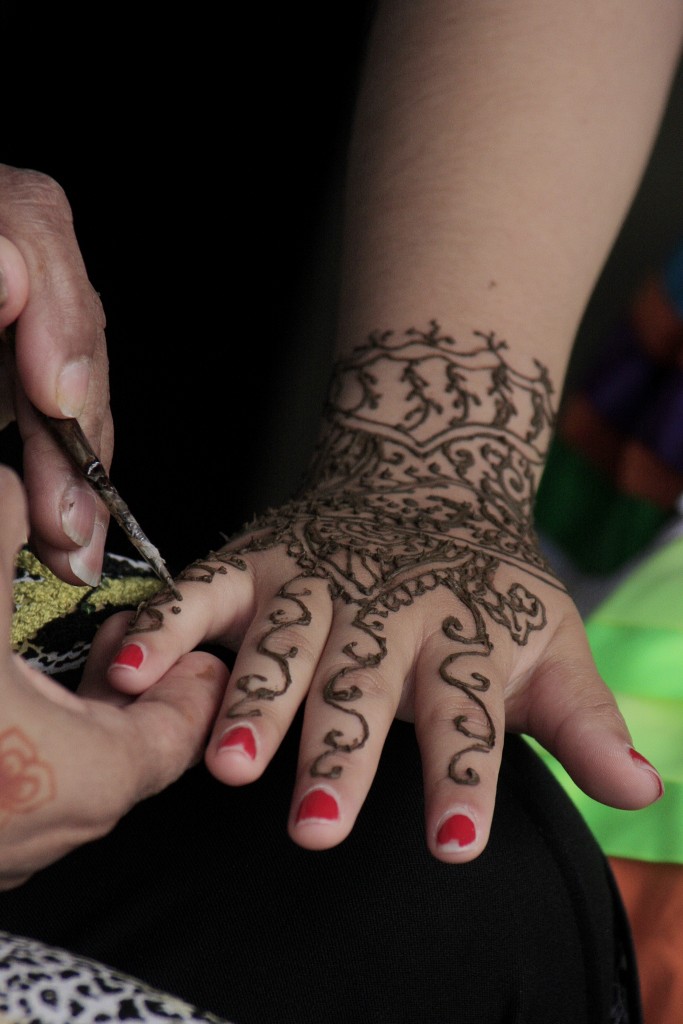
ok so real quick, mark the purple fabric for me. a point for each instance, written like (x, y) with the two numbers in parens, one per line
(660, 425)
(622, 380)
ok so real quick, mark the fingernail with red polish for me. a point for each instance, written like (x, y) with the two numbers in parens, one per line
(130, 656)
(643, 762)
(240, 739)
(456, 833)
(318, 805)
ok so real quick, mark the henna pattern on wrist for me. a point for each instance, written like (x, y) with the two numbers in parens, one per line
(424, 478)
(26, 782)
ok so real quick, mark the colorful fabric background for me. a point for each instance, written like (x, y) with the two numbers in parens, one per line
(609, 501)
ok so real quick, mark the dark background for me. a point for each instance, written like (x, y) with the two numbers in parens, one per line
(203, 159)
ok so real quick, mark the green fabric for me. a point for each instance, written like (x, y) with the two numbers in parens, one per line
(598, 526)
(636, 637)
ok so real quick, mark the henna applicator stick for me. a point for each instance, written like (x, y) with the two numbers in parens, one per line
(74, 443)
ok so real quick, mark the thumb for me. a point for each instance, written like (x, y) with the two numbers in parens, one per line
(174, 718)
(576, 717)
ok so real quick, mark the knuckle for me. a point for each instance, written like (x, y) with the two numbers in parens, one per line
(289, 642)
(36, 190)
(366, 682)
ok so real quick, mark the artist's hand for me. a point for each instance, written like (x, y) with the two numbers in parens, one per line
(406, 581)
(59, 364)
(72, 765)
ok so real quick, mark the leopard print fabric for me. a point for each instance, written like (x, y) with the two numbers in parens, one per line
(43, 985)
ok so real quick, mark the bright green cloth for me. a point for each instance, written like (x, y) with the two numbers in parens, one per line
(636, 636)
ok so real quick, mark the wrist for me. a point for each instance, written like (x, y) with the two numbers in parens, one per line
(426, 434)
(423, 410)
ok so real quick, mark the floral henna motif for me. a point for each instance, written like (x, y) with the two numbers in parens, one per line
(26, 782)
(424, 478)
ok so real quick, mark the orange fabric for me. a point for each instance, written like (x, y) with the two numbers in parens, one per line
(582, 427)
(657, 322)
(653, 897)
(643, 475)
(629, 463)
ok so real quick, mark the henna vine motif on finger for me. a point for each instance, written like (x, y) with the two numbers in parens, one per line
(26, 782)
(423, 480)
(149, 617)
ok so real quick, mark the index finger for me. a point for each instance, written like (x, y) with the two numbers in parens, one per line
(60, 329)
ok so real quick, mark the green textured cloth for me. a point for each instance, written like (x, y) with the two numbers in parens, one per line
(598, 526)
(636, 636)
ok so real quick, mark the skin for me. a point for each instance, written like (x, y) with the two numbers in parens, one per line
(59, 325)
(496, 149)
(71, 765)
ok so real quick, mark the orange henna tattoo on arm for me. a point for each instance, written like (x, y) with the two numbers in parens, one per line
(26, 782)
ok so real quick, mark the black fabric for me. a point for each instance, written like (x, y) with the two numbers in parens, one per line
(200, 892)
(200, 155)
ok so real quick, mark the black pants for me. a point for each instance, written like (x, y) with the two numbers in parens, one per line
(199, 891)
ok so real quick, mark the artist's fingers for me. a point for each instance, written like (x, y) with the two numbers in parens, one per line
(60, 364)
(13, 533)
(68, 520)
(13, 297)
(175, 714)
(14, 282)
(271, 675)
(61, 324)
(94, 683)
(571, 711)
(173, 718)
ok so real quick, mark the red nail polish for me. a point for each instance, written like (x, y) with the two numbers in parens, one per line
(131, 656)
(318, 805)
(644, 763)
(241, 738)
(458, 830)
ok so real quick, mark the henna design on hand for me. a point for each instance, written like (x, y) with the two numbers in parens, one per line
(148, 616)
(26, 782)
(424, 478)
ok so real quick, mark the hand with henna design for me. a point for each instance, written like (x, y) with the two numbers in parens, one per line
(71, 765)
(494, 151)
(405, 580)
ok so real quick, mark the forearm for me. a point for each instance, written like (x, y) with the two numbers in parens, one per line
(496, 150)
